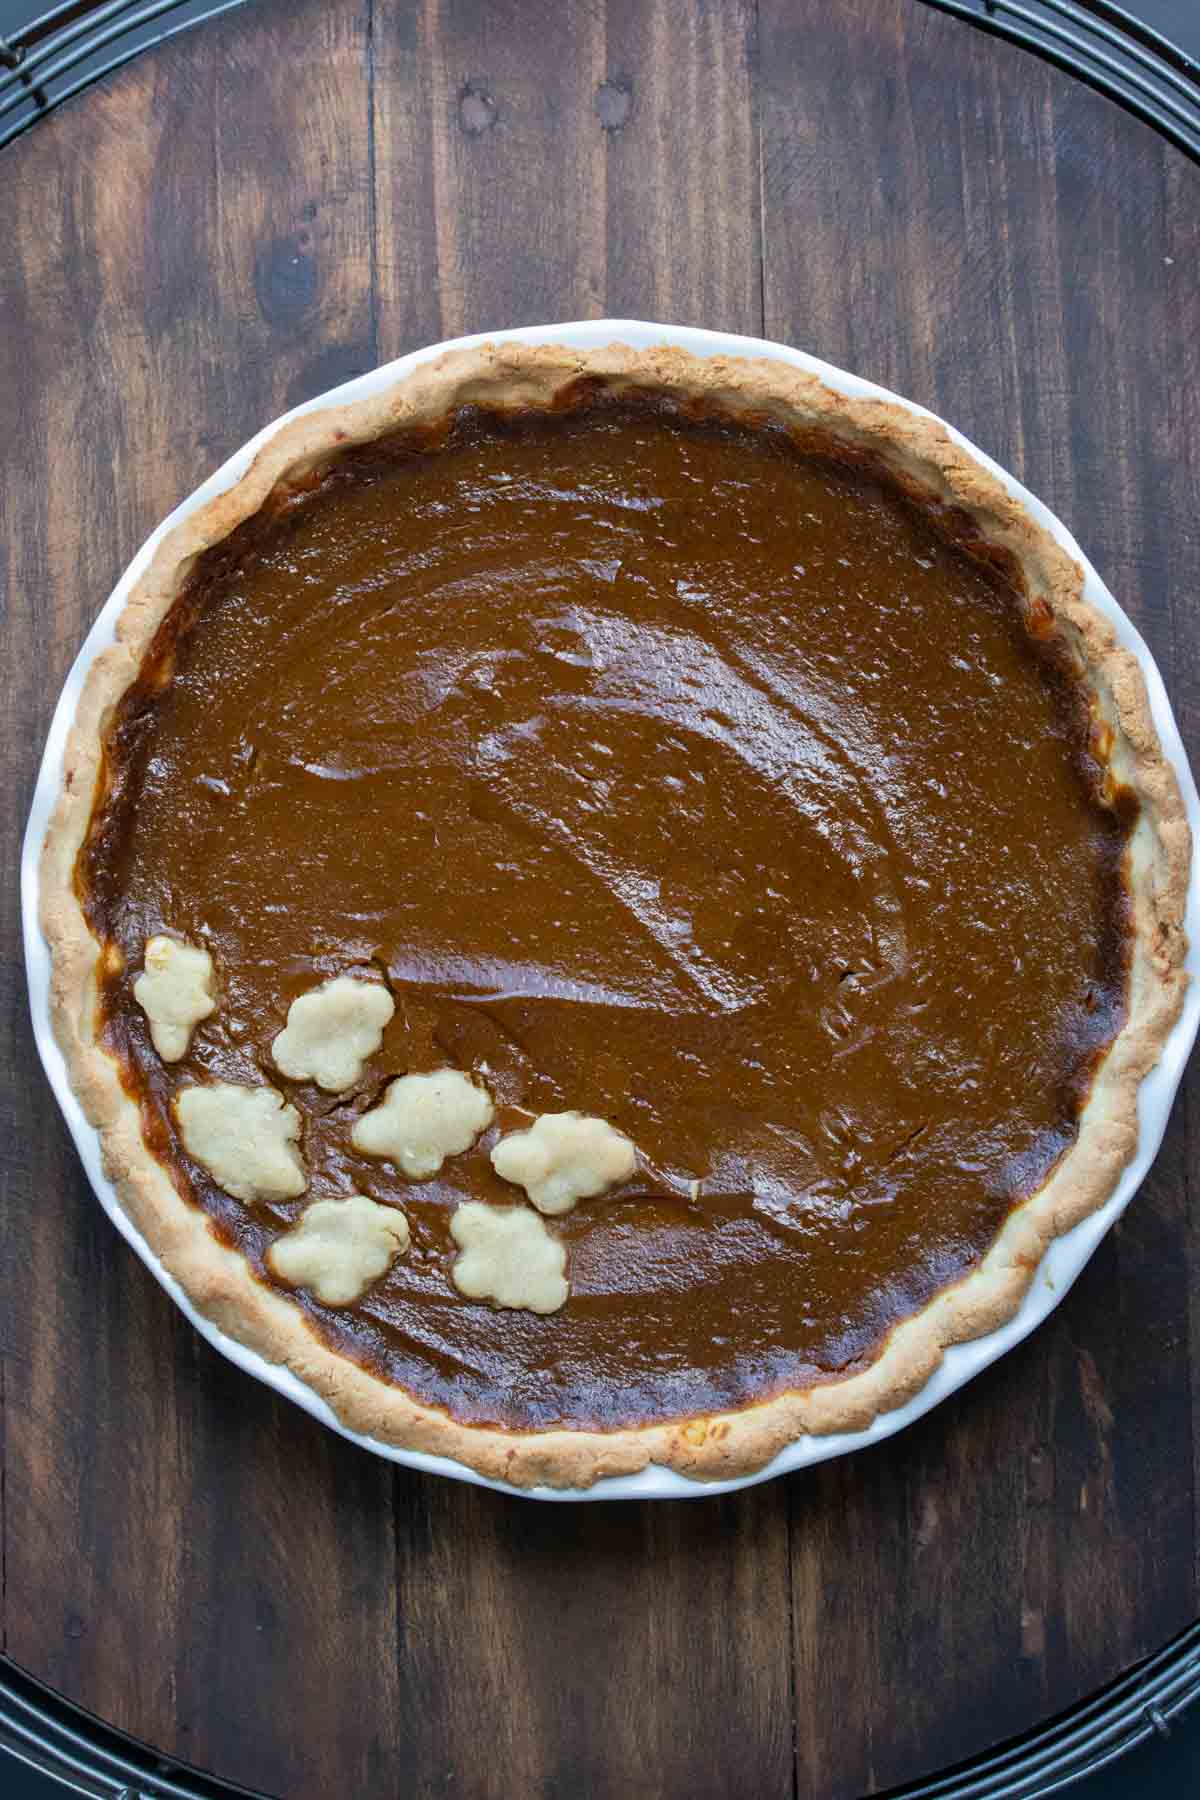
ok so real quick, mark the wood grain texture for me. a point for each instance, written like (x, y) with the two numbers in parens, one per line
(513, 175)
(677, 109)
(1177, 452)
(995, 243)
(247, 216)
(613, 1667)
(155, 1498)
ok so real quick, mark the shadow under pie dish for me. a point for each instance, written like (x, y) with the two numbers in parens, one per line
(606, 905)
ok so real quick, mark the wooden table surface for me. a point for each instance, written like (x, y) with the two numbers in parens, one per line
(245, 217)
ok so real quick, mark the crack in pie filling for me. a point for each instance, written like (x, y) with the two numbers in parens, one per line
(672, 845)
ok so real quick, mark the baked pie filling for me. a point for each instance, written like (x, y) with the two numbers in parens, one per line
(712, 825)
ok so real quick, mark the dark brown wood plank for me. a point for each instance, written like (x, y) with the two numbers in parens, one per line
(599, 1650)
(512, 171)
(681, 170)
(186, 1555)
(947, 215)
(76, 1496)
(404, 99)
(1177, 453)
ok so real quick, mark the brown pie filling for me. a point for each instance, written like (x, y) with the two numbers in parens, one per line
(671, 771)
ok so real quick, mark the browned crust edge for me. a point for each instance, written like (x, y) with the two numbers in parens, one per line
(219, 1281)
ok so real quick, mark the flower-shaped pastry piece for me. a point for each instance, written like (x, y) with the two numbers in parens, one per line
(338, 1248)
(423, 1120)
(174, 991)
(332, 1030)
(564, 1157)
(245, 1137)
(509, 1256)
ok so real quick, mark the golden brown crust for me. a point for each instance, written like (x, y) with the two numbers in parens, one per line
(219, 1281)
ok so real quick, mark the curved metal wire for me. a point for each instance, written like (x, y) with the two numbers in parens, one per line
(45, 54)
(1101, 44)
(1142, 1704)
(83, 1755)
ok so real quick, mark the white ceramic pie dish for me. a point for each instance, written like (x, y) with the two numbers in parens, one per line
(1062, 1261)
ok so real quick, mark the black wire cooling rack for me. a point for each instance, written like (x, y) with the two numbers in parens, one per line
(76, 43)
(1105, 46)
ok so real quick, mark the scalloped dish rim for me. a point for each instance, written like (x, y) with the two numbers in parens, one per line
(1066, 1255)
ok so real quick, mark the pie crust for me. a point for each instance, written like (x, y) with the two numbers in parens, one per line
(926, 460)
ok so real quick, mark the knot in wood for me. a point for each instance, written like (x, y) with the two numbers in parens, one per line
(477, 111)
(614, 103)
(285, 279)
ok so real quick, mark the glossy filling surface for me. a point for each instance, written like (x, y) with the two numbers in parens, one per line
(669, 771)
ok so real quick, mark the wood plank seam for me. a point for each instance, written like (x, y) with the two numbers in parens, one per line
(789, 1517)
(757, 131)
(372, 190)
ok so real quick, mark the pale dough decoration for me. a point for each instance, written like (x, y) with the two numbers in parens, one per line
(423, 1120)
(339, 1247)
(564, 1157)
(508, 1256)
(245, 1137)
(331, 1032)
(175, 993)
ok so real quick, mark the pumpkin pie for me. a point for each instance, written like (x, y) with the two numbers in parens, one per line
(606, 906)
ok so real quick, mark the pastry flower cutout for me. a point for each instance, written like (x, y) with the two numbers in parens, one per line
(339, 1247)
(245, 1137)
(564, 1157)
(508, 1255)
(423, 1120)
(175, 993)
(331, 1032)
